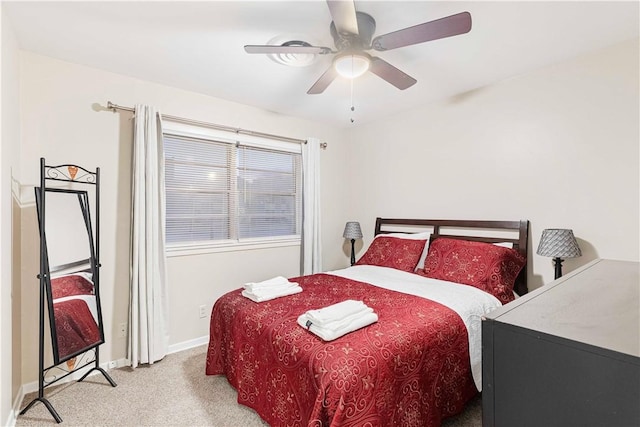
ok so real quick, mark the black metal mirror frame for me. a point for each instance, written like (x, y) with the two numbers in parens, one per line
(75, 174)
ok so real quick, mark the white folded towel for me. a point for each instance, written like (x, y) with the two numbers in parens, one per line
(271, 289)
(343, 322)
(336, 320)
(337, 311)
(328, 334)
(261, 295)
(267, 284)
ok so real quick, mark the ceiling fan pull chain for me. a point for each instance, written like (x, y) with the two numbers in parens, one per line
(352, 107)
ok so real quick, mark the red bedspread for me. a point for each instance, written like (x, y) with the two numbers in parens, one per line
(76, 328)
(411, 368)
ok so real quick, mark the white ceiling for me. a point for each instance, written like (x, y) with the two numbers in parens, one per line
(198, 46)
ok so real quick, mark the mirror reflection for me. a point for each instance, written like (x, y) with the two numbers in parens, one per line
(73, 303)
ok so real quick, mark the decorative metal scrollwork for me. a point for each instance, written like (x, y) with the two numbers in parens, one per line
(55, 373)
(71, 173)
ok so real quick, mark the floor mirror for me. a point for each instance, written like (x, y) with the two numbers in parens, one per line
(69, 226)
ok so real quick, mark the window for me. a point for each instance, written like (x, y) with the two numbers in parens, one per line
(226, 192)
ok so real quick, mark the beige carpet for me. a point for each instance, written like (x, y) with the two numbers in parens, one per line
(173, 392)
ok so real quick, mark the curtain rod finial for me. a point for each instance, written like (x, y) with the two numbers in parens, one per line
(99, 107)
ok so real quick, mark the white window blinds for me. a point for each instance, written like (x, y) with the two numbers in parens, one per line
(219, 192)
(268, 188)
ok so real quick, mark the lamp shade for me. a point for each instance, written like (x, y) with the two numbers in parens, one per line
(558, 243)
(352, 230)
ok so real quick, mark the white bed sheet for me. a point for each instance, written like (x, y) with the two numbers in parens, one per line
(470, 303)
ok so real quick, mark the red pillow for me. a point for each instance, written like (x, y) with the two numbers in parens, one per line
(492, 268)
(393, 252)
(72, 284)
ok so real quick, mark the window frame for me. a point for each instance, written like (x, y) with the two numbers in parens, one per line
(183, 130)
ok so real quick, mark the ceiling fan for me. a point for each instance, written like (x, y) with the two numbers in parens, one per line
(352, 33)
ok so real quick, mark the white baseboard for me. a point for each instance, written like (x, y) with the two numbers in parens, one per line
(33, 386)
(11, 419)
(186, 345)
(13, 413)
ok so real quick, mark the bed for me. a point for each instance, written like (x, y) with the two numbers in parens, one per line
(75, 312)
(418, 364)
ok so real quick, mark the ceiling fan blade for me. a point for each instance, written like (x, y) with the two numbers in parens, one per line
(321, 50)
(343, 13)
(391, 74)
(323, 82)
(440, 28)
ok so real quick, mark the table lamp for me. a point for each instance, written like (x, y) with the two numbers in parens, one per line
(558, 243)
(352, 231)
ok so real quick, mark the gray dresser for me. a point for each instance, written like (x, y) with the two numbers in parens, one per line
(566, 354)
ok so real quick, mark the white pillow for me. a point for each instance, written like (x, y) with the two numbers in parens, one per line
(505, 244)
(413, 236)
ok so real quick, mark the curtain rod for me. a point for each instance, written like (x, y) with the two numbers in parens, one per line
(115, 107)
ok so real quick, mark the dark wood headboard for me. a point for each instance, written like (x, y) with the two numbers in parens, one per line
(515, 232)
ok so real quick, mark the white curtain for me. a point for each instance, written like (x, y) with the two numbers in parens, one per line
(148, 323)
(311, 244)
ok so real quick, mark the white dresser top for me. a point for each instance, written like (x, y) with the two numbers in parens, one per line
(598, 304)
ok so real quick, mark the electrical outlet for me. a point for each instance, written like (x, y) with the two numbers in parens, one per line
(122, 330)
(203, 311)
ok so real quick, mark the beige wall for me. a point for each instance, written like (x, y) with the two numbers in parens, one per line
(62, 121)
(10, 379)
(557, 146)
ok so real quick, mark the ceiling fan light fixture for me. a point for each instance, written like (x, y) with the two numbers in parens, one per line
(352, 65)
